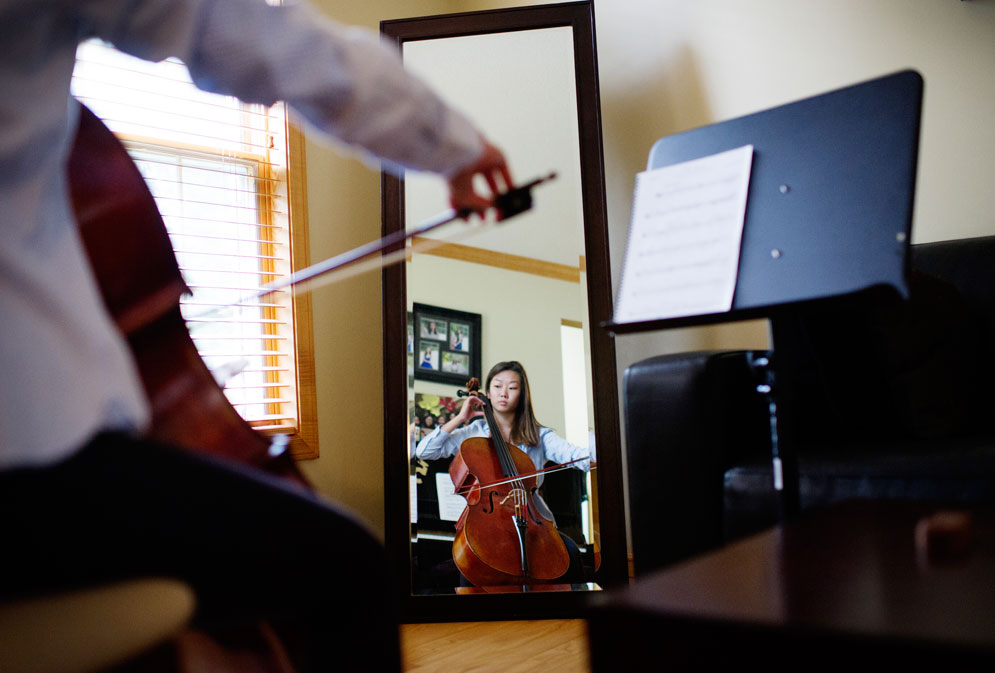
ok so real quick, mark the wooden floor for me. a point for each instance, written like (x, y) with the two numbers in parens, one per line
(547, 645)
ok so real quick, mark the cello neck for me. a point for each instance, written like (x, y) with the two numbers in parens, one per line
(497, 438)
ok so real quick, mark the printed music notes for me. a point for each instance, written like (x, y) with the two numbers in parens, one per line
(450, 504)
(682, 255)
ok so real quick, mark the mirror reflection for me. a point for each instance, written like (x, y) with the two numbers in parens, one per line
(512, 292)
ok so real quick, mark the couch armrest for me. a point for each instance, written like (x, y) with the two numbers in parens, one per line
(687, 417)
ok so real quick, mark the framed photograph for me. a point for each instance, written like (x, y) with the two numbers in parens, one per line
(428, 356)
(456, 363)
(458, 337)
(432, 328)
(446, 344)
(411, 351)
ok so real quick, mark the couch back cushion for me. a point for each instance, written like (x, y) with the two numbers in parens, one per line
(876, 367)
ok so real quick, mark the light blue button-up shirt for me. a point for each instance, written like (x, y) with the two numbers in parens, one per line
(441, 444)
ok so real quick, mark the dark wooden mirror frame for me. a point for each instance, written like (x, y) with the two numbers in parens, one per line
(611, 518)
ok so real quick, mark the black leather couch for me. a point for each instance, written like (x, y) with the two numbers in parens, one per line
(878, 396)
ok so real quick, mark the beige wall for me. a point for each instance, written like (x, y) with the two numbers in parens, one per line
(665, 66)
(669, 65)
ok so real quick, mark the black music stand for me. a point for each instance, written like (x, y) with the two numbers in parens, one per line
(829, 214)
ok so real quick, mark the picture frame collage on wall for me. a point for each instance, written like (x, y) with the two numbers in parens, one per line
(445, 344)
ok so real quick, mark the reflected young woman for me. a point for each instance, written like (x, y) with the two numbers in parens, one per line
(508, 390)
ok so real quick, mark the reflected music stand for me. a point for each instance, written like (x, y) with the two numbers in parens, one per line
(828, 214)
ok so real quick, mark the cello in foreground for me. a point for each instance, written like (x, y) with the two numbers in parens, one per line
(506, 535)
(139, 278)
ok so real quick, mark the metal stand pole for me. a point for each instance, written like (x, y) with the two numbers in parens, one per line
(784, 462)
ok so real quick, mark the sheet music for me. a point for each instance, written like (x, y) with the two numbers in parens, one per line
(450, 504)
(682, 255)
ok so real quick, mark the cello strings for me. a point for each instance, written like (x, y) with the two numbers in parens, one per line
(547, 470)
(512, 468)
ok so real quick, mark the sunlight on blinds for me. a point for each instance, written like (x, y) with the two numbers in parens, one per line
(217, 169)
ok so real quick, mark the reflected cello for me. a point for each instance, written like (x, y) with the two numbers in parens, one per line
(506, 535)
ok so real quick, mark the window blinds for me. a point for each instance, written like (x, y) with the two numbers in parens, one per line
(218, 171)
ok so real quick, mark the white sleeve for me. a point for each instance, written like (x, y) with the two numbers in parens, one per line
(341, 79)
(442, 444)
(561, 451)
(436, 444)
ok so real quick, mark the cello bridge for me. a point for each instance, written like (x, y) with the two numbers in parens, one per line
(517, 495)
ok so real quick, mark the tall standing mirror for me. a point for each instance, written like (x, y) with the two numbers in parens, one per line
(533, 289)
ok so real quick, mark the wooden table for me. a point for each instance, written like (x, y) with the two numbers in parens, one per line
(838, 589)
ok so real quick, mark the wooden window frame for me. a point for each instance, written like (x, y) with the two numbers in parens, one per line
(304, 442)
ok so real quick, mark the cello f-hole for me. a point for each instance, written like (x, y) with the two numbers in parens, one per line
(490, 499)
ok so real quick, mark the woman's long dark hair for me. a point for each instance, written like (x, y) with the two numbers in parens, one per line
(525, 427)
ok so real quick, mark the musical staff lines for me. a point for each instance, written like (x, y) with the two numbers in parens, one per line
(682, 255)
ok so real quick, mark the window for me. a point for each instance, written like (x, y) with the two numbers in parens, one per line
(228, 180)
